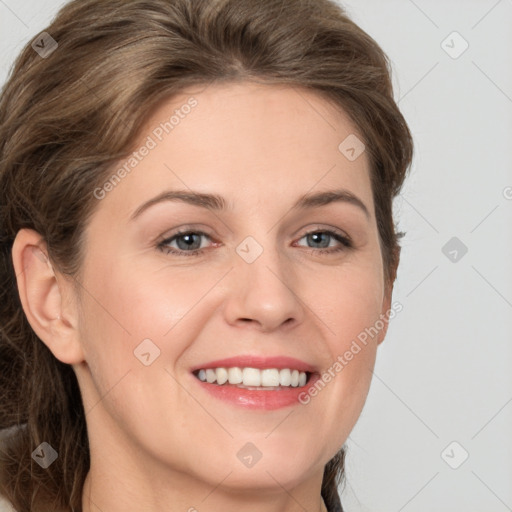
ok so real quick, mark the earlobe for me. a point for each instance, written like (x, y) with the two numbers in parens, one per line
(42, 293)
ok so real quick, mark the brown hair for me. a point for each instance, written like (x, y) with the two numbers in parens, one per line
(67, 118)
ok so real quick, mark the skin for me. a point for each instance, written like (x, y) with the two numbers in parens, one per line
(156, 438)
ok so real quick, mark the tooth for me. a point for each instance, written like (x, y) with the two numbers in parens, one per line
(222, 375)
(251, 377)
(235, 375)
(270, 377)
(285, 377)
(254, 377)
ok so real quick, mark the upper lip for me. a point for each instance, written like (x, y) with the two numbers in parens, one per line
(257, 361)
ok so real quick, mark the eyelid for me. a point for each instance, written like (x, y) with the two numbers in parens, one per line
(171, 233)
(326, 229)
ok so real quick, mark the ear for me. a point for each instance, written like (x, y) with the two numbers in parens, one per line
(388, 296)
(47, 297)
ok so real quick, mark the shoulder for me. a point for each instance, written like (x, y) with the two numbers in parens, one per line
(6, 433)
(5, 505)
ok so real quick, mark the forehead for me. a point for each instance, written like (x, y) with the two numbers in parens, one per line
(243, 140)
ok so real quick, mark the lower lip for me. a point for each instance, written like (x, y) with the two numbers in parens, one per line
(258, 399)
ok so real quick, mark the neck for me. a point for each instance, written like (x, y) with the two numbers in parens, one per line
(121, 479)
(101, 495)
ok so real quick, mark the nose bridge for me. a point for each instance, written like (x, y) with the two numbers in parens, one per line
(262, 289)
(262, 263)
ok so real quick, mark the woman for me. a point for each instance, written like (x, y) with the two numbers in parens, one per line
(261, 138)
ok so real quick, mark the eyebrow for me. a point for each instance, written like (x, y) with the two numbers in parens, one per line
(218, 203)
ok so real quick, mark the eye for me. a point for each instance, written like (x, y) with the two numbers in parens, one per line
(321, 240)
(188, 243)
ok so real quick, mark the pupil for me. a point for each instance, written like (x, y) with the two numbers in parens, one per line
(316, 236)
(189, 241)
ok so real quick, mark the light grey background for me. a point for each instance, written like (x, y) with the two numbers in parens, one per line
(444, 372)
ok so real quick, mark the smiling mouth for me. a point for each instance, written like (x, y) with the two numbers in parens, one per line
(269, 379)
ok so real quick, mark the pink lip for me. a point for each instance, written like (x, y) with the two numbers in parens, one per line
(258, 399)
(261, 362)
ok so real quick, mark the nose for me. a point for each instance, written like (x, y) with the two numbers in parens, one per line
(261, 294)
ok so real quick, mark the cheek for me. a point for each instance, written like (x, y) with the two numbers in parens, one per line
(350, 307)
(137, 311)
(132, 304)
(130, 312)
(348, 300)
(356, 322)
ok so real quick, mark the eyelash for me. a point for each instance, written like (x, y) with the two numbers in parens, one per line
(163, 245)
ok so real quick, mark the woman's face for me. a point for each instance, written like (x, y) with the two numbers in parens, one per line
(248, 281)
